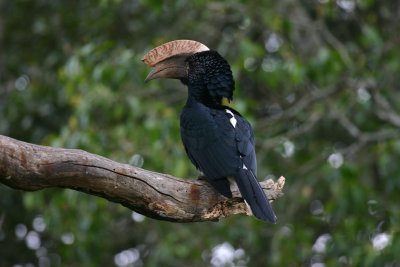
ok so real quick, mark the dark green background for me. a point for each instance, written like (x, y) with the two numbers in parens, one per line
(317, 79)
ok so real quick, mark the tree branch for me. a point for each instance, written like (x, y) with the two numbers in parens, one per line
(384, 109)
(32, 167)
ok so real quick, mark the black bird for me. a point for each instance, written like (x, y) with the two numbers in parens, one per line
(217, 139)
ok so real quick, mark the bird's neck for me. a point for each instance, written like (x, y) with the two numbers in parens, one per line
(201, 95)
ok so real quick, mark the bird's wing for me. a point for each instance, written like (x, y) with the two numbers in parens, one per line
(244, 132)
(216, 146)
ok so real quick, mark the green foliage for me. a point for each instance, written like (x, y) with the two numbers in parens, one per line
(317, 79)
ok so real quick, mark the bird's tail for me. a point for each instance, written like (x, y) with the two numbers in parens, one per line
(254, 195)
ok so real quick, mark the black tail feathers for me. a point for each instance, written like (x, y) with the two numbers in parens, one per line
(254, 195)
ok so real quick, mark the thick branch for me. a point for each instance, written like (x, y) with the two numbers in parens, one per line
(31, 167)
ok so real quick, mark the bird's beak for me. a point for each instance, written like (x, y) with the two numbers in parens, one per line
(168, 60)
(173, 68)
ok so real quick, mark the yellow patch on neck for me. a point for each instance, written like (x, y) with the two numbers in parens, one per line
(225, 101)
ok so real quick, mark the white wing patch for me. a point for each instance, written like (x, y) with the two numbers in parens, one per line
(232, 120)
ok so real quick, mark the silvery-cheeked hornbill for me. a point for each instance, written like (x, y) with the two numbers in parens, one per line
(217, 139)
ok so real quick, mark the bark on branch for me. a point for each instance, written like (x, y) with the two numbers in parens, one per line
(160, 196)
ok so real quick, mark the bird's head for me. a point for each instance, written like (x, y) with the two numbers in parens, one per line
(206, 73)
